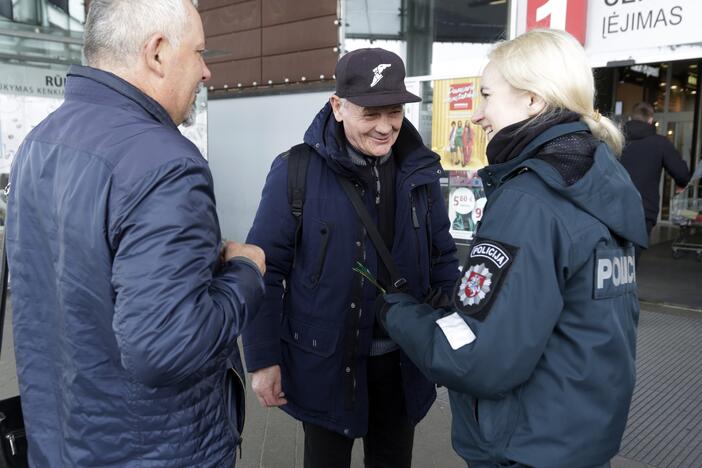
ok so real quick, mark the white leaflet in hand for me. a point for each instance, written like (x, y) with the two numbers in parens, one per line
(457, 331)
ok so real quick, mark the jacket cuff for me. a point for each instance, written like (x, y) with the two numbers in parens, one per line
(262, 356)
(247, 261)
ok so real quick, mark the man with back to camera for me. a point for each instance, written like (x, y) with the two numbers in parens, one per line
(126, 308)
(315, 347)
(645, 156)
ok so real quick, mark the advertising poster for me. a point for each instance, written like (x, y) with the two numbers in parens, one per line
(465, 204)
(27, 95)
(461, 146)
(30, 94)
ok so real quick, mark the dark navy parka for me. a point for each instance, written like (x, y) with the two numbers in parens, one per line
(548, 379)
(125, 322)
(319, 327)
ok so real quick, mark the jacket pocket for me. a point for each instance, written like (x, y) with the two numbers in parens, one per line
(316, 244)
(311, 367)
(497, 419)
(234, 402)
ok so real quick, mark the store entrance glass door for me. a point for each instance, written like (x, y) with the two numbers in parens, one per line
(678, 127)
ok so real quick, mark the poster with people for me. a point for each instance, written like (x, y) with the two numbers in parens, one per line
(460, 143)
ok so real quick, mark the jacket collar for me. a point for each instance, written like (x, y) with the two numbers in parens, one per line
(495, 174)
(103, 78)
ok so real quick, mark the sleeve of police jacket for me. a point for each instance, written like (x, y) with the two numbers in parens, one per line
(176, 307)
(674, 163)
(444, 271)
(499, 350)
(274, 231)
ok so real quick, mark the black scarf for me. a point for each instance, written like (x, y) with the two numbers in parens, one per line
(509, 142)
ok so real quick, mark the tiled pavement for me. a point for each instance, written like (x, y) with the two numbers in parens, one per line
(665, 419)
(665, 422)
(664, 429)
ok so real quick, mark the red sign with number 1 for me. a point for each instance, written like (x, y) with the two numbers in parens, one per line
(568, 15)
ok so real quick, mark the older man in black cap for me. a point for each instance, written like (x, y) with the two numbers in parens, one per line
(353, 211)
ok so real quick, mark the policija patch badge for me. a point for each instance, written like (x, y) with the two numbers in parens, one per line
(485, 267)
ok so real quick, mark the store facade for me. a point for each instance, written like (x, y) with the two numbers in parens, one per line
(640, 50)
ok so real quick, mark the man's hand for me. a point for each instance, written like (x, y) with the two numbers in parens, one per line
(252, 252)
(266, 384)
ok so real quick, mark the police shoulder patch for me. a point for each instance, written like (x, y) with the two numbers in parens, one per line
(483, 273)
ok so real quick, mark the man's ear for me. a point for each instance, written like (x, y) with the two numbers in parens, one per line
(536, 105)
(335, 102)
(154, 53)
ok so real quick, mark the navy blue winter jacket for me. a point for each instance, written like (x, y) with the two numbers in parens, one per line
(319, 328)
(125, 323)
(541, 369)
(645, 156)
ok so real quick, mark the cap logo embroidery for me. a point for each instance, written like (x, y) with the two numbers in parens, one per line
(378, 73)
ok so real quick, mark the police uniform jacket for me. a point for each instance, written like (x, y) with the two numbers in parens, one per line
(317, 320)
(538, 350)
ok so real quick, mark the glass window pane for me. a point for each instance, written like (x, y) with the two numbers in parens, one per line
(433, 36)
(6, 8)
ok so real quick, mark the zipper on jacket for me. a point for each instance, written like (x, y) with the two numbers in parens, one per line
(322, 255)
(415, 218)
(415, 224)
(376, 174)
(243, 416)
(239, 443)
(475, 411)
(12, 437)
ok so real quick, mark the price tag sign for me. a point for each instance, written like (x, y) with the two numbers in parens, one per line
(463, 200)
(478, 210)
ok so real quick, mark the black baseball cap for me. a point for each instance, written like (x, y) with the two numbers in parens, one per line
(372, 78)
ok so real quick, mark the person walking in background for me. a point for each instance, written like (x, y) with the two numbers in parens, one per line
(538, 348)
(645, 156)
(315, 347)
(126, 308)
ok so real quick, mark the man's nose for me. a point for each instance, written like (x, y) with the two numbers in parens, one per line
(384, 125)
(206, 74)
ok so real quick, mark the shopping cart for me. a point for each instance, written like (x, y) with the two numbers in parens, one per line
(686, 212)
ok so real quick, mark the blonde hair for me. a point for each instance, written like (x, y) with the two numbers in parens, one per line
(552, 65)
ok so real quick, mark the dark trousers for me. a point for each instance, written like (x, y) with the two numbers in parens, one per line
(649, 227)
(388, 443)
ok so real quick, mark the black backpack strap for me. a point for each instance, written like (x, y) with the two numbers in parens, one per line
(398, 282)
(298, 160)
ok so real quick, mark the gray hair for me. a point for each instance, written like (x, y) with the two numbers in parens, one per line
(116, 30)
